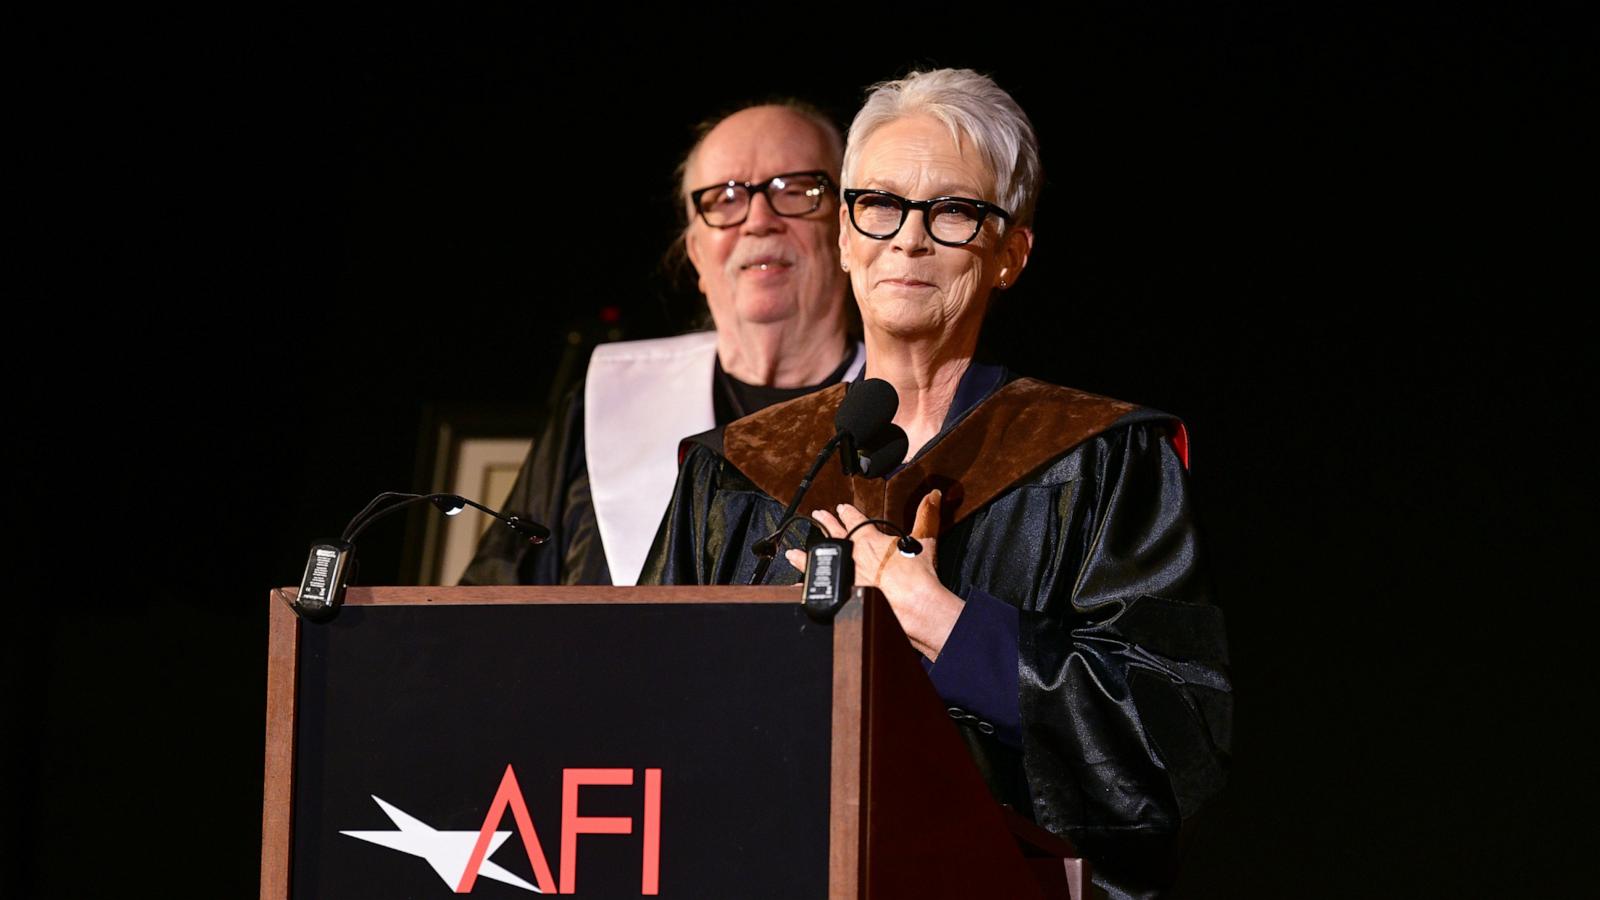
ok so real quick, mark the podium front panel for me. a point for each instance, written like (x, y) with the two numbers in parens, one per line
(679, 748)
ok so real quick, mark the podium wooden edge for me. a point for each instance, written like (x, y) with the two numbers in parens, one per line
(845, 757)
(492, 594)
(283, 647)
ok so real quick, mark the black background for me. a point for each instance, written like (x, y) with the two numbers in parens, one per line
(1339, 242)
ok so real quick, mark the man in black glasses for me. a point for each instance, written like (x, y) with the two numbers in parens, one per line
(761, 228)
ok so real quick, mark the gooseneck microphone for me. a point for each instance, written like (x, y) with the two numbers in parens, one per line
(332, 563)
(861, 424)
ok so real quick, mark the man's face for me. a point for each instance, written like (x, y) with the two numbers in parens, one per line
(769, 268)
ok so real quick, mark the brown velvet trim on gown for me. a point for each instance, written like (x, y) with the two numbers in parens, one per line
(1015, 431)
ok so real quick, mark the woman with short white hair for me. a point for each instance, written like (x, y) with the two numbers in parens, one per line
(1058, 603)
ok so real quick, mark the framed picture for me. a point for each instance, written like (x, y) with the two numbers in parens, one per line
(474, 453)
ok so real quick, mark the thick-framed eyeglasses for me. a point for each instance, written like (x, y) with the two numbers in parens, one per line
(951, 221)
(790, 194)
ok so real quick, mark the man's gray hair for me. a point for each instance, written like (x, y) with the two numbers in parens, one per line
(973, 107)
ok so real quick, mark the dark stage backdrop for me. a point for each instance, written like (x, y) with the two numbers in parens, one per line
(1331, 240)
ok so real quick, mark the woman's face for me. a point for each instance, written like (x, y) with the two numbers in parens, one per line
(910, 287)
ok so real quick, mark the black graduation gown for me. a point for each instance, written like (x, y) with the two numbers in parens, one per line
(551, 488)
(1071, 507)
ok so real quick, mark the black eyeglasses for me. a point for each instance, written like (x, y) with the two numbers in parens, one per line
(790, 194)
(951, 221)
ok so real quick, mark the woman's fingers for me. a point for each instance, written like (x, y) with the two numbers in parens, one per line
(829, 523)
(850, 516)
(927, 524)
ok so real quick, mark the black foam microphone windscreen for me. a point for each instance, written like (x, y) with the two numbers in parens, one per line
(886, 455)
(868, 406)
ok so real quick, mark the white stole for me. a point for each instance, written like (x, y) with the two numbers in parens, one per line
(640, 399)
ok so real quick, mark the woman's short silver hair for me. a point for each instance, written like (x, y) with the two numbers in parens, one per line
(973, 107)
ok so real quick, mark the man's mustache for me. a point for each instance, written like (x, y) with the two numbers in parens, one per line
(751, 257)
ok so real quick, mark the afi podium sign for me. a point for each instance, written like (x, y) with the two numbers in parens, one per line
(622, 742)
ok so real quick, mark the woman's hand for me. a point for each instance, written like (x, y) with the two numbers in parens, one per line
(926, 609)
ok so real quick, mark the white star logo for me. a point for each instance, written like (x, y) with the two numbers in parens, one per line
(446, 851)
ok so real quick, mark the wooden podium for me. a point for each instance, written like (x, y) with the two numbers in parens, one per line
(625, 742)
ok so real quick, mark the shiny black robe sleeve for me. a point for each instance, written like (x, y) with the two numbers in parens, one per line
(553, 489)
(1125, 699)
